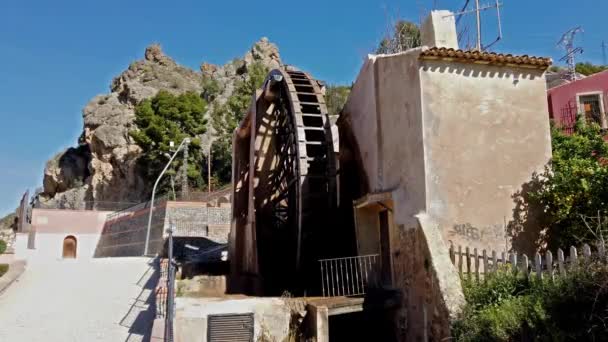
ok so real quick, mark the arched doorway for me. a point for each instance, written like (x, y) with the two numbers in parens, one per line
(69, 247)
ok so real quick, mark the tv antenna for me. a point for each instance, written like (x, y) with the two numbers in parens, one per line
(477, 10)
(567, 41)
(604, 52)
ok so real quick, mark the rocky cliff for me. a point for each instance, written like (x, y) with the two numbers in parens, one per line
(102, 169)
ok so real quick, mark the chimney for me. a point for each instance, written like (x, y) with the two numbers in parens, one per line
(439, 30)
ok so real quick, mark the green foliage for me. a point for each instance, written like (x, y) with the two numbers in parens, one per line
(574, 186)
(226, 117)
(164, 118)
(211, 88)
(405, 35)
(2, 246)
(511, 308)
(335, 98)
(3, 269)
(555, 68)
(589, 69)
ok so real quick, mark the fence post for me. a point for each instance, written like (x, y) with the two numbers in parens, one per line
(494, 262)
(485, 265)
(587, 252)
(538, 265)
(452, 255)
(460, 260)
(514, 262)
(560, 262)
(549, 261)
(524, 265)
(573, 256)
(476, 264)
(468, 256)
(503, 259)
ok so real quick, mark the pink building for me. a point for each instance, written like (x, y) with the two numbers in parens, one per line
(60, 234)
(587, 96)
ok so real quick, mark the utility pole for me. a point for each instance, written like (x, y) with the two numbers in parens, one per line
(604, 53)
(185, 174)
(209, 168)
(567, 42)
(478, 25)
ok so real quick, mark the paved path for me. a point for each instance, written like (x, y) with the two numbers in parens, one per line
(64, 301)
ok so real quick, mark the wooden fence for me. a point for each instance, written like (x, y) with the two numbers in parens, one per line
(475, 265)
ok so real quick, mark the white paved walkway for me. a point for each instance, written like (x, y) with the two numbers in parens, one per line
(64, 301)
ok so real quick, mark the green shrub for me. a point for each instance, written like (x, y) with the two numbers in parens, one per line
(2, 246)
(3, 269)
(507, 307)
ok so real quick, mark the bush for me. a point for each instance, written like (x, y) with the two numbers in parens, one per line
(3, 269)
(511, 308)
(573, 188)
(2, 246)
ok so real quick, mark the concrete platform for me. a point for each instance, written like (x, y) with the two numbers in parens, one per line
(338, 305)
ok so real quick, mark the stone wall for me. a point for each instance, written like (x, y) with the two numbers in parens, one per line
(199, 220)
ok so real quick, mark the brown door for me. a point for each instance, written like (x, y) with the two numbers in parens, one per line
(69, 247)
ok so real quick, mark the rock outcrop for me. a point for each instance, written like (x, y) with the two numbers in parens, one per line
(103, 169)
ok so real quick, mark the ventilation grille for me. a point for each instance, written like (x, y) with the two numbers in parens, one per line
(230, 328)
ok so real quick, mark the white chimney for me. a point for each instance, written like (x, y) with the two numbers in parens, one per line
(439, 30)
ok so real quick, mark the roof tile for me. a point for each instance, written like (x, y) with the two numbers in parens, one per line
(472, 56)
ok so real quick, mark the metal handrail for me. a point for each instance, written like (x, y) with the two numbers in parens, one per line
(348, 276)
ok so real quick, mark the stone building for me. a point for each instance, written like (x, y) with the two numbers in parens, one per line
(434, 144)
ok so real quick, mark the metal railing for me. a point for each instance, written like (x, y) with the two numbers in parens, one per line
(348, 276)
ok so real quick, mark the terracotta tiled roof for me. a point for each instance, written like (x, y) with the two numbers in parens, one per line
(474, 56)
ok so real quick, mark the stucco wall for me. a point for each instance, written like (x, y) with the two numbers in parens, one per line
(400, 137)
(362, 104)
(486, 132)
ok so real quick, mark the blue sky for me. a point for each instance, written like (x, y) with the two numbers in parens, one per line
(56, 55)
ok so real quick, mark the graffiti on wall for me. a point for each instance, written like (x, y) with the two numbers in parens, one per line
(471, 233)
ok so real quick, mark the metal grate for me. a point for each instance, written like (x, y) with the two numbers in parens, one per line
(230, 328)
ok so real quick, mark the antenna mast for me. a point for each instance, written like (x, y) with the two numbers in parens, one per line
(478, 9)
(567, 41)
(604, 53)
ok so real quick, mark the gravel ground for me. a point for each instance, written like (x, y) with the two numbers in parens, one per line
(100, 300)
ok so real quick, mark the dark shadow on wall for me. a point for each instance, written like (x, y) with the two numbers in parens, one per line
(528, 226)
